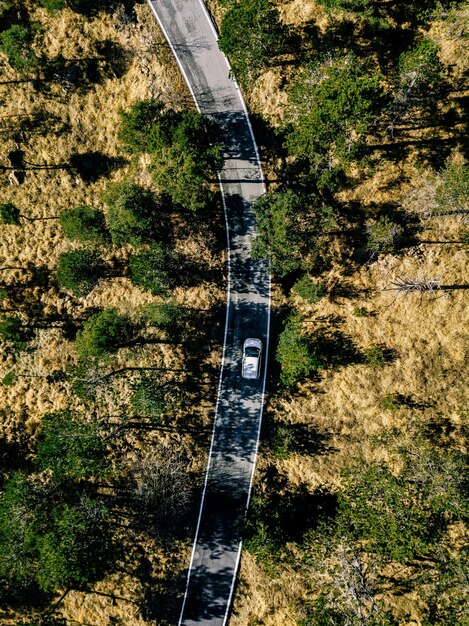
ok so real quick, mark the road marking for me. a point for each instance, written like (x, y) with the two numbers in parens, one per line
(195, 553)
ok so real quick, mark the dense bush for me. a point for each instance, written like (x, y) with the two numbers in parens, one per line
(295, 354)
(80, 271)
(251, 34)
(103, 334)
(132, 213)
(84, 223)
(16, 44)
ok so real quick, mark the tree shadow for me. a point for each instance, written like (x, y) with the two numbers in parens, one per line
(335, 348)
(81, 73)
(284, 439)
(89, 8)
(91, 166)
(279, 513)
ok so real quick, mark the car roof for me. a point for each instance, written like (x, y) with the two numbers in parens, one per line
(251, 342)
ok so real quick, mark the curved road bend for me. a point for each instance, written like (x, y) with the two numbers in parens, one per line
(217, 546)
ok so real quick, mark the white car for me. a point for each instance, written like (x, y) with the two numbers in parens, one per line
(252, 351)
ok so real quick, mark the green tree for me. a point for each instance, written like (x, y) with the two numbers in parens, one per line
(70, 447)
(292, 230)
(167, 317)
(132, 213)
(279, 227)
(384, 235)
(145, 119)
(331, 109)
(420, 69)
(181, 174)
(185, 148)
(10, 214)
(16, 44)
(251, 34)
(20, 512)
(53, 5)
(80, 271)
(103, 334)
(77, 549)
(151, 270)
(294, 353)
(404, 515)
(309, 290)
(84, 223)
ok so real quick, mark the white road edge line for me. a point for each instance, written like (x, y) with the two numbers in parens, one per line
(209, 462)
(243, 104)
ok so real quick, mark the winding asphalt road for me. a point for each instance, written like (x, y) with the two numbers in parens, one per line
(217, 546)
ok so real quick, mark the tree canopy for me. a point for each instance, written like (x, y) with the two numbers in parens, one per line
(133, 213)
(295, 354)
(84, 223)
(331, 108)
(250, 35)
(151, 270)
(70, 447)
(184, 145)
(80, 271)
(290, 229)
(16, 43)
(52, 544)
(104, 333)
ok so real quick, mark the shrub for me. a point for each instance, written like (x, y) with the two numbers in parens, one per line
(360, 311)
(9, 378)
(453, 193)
(150, 270)
(131, 213)
(390, 402)
(84, 223)
(374, 356)
(104, 333)
(80, 271)
(16, 42)
(151, 397)
(295, 354)
(309, 290)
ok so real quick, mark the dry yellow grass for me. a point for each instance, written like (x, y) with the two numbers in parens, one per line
(92, 119)
(426, 333)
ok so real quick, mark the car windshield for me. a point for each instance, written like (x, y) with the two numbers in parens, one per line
(251, 351)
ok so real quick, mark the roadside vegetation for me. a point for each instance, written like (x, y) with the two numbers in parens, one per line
(359, 512)
(111, 312)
